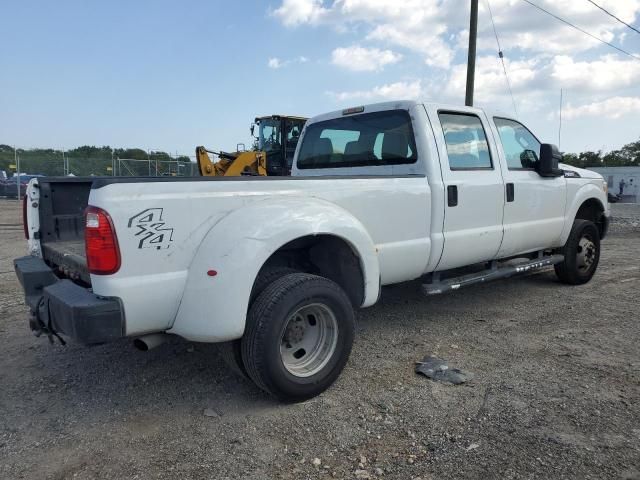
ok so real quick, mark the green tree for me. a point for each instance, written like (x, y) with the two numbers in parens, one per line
(590, 159)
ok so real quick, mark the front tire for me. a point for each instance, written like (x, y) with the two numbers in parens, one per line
(581, 254)
(298, 336)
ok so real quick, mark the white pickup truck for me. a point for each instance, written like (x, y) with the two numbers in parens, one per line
(273, 267)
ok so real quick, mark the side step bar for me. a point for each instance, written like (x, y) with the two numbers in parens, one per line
(493, 273)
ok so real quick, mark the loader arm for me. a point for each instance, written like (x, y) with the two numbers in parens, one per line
(231, 164)
(247, 163)
(207, 168)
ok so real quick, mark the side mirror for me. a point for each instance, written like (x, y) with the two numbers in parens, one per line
(252, 128)
(549, 159)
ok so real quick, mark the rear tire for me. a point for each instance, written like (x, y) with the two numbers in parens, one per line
(231, 352)
(581, 254)
(266, 278)
(298, 337)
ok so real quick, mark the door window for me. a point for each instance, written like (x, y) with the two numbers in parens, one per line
(520, 147)
(467, 146)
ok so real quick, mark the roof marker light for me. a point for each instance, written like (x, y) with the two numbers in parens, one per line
(352, 110)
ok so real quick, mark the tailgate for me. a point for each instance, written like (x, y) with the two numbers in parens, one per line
(61, 214)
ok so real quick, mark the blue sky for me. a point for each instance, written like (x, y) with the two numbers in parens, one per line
(172, 75)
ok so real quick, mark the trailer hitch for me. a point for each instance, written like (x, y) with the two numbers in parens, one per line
(40, 322)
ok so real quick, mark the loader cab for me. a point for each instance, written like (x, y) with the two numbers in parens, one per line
(278, 137)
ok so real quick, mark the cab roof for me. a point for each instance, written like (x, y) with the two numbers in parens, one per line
(402, 105)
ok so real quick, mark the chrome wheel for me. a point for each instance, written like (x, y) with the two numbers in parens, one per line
(309, 340)
(586, 253)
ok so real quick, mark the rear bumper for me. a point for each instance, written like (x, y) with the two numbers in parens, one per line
(62, 307)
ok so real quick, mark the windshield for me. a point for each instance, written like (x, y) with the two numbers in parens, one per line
(269, 135)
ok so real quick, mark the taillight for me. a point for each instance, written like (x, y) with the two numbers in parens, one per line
(101, 243)
(24, 217)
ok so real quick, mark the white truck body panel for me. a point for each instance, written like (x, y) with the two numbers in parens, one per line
(219, 225)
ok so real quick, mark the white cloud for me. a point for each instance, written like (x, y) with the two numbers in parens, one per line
(435, 51)
(539, 78)
(392, 91)
(606, 73)
(276, 63)
(522, 26)
(413, 24)
(297, 12)
(614, 107)
(490, 82)
(361, 59)
(437, 29)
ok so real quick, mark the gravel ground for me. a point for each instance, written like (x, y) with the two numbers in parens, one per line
(555, 395)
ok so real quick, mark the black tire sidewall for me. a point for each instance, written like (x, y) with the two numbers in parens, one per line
(277, 378)
(579, 230)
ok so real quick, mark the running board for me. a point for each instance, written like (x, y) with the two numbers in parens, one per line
(493, 273)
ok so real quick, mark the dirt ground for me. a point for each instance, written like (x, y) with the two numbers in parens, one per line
(555, 395)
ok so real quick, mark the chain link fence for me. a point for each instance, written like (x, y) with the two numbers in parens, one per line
(127, 167)
(18, 164)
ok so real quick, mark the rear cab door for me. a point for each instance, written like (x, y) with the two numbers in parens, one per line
(534, 211)
(474, 188)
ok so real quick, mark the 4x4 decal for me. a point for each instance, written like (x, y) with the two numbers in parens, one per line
(152, 231)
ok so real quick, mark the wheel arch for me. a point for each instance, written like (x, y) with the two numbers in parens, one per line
(327, 255)
(213, 308)
(592, 210)
(588, 204)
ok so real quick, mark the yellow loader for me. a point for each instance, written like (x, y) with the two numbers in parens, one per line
(273, 154)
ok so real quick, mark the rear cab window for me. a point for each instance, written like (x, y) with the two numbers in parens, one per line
(368, 139)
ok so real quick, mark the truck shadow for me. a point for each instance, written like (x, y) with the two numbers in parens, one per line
(116, 379)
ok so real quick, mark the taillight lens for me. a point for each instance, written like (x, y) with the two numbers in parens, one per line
(101, 243)
(24, 217)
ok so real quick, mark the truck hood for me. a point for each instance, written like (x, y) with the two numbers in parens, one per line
(583, 172)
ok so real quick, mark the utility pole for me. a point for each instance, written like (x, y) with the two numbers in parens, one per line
(471, 58)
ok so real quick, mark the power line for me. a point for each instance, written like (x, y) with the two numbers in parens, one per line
(501, 55)
(581, 30)
(613, 16)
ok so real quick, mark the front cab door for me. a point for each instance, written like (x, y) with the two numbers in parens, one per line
(534, 211)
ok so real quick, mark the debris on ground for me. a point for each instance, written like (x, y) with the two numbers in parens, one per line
(438, 370)
(210, 412)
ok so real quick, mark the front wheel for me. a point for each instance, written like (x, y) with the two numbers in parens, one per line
(298, 337)
(581, 254)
